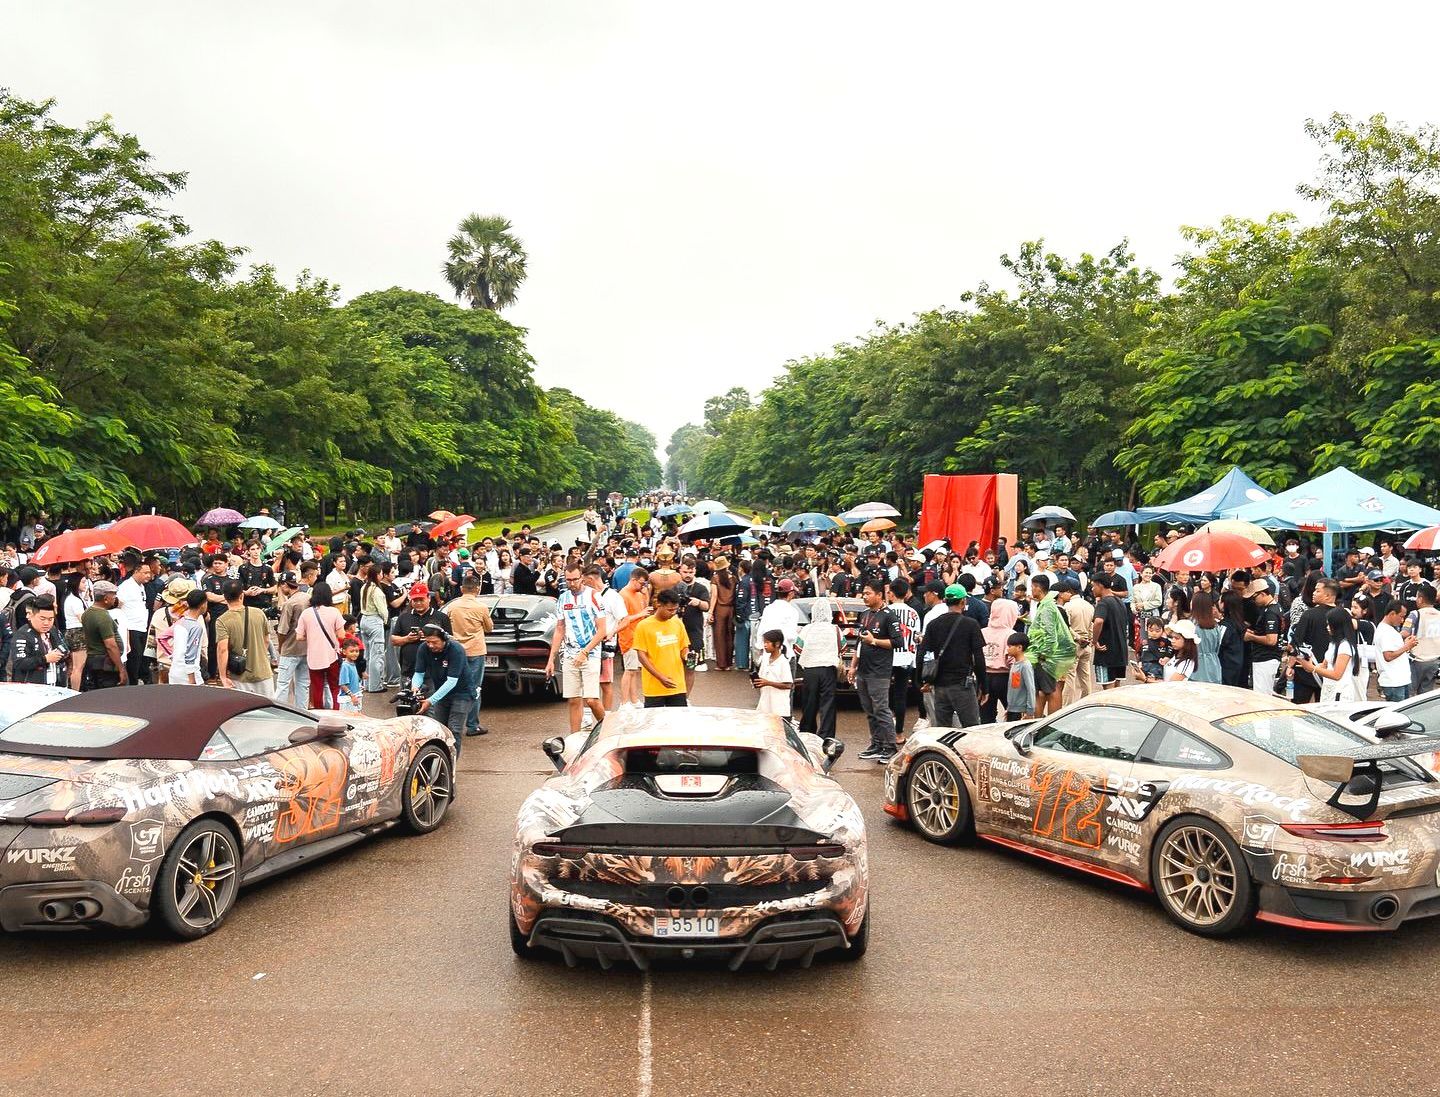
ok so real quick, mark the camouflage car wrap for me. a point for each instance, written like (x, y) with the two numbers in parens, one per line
(99, 830)
(812, 869)
(1362, 853)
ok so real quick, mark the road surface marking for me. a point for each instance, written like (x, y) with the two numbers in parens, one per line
(645, 1078)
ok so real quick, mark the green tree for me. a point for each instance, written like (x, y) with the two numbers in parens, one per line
(487, 262)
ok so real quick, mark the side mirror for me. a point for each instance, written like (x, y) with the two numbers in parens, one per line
(555, 749)
(301, 735)
(331, 727)
(1023, 740)
(1388, 722)
(833, 749)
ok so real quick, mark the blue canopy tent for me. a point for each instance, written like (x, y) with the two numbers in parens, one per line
(1234, 489)
(1337, 502)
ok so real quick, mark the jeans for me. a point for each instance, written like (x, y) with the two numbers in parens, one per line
(392, 665)
(818, 715)
(477, 675)
(900, 695)
(742, 642)
(997, 684)
(372, 635)
(1395, 693)
(957, 706)
(1422, 675)
(453, 710)
(875, 700)
(294, 674)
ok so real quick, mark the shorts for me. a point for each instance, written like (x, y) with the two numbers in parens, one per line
(607, 669)
(75, 639)
(1044, 680)
(1106, 675)
(632, 660)
(581, 681)
(670, 700)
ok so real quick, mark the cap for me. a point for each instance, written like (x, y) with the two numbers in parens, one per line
(463, 554)
(103, 589)
(419, 590)
(785, 586)
(1367, 551)
(1257, 586)
(955, 593)
(1183, 628)
(917, 558)
(288, 579)
(1118, 554)
(1375, 573)
(27, 574)
(935, 586)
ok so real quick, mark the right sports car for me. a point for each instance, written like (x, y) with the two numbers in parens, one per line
(1228, 805)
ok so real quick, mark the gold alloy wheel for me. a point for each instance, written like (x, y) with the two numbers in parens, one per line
(934, 797)
(206, 879)
(1197, 876)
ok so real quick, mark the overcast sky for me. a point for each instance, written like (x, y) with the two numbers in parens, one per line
(708, 190)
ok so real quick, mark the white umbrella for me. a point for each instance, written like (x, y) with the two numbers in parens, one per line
(260, 521)
(710, 506)
(865, 511)
(1046, 516)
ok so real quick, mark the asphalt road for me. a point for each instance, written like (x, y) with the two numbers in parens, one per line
(387, 969)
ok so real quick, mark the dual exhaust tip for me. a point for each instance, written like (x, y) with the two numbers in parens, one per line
(66, 910)
(698, 896)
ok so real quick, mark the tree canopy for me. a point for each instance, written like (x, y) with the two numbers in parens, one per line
(1288, 348)
(139, 365)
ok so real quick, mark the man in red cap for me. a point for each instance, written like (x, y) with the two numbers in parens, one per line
(406, 636)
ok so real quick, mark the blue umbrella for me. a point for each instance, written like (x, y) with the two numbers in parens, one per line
(674, 509)
(260, 521)
(711, 526)
(810, 522)
(1118, 518)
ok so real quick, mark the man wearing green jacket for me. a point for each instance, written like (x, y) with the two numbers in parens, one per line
(1052, 645)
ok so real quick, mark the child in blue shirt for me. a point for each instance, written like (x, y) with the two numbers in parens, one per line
(350, 676)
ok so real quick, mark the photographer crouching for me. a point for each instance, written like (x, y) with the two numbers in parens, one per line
(443, 673)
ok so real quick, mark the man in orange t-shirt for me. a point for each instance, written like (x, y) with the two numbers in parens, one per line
(637, 608)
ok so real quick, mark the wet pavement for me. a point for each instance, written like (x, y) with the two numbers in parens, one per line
(387, 968)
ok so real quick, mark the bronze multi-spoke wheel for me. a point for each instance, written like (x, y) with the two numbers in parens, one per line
(936, 799)
(198, 880)
(1201, 877)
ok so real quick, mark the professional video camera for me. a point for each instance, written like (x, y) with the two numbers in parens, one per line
(407, 702)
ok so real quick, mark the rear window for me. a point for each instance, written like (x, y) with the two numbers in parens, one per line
(732, 763)
(89, 730)
(1287, 733)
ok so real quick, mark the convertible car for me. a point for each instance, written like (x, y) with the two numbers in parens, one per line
(690, 832)
(1229, 806)
(121, 805)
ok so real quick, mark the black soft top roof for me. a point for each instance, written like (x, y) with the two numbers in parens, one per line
(180, 720)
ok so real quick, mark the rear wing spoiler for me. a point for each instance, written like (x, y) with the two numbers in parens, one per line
(1341, 769)
(673, 838)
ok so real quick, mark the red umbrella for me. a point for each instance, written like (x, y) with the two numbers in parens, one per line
(1217, 551)
(152, 531)
(441, 530)
(1425, 540)
(442, 515)
(78, 544)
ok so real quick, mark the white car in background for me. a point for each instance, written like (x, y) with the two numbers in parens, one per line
(20, 699)
(1413, 717)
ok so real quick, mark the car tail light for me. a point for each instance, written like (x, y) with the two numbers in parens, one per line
(81, 818)
(558, 849)
(810, 853)
(1372, 830)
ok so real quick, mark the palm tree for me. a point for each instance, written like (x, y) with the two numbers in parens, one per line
(487, 263)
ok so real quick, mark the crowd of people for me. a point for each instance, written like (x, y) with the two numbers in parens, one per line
(981, 633)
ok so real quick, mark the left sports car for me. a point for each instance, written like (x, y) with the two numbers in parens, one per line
(126, 804)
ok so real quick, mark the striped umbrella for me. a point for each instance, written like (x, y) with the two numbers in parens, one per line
(1425, 540)
(709, 527)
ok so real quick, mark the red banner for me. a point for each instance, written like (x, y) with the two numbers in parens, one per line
(961, 508)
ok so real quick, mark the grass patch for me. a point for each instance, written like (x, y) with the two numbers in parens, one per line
(485, 527)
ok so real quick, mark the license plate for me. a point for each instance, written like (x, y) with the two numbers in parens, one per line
(492, 660)
(698, 926)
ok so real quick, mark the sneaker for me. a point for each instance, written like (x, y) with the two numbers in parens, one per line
(921, 724)
(884, 757)
(869, 754)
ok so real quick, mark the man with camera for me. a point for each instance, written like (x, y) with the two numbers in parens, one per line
(443, 671)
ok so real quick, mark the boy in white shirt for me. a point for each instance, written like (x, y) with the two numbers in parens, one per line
(1393, 654)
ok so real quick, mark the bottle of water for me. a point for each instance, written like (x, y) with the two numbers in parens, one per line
(1290, 688)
